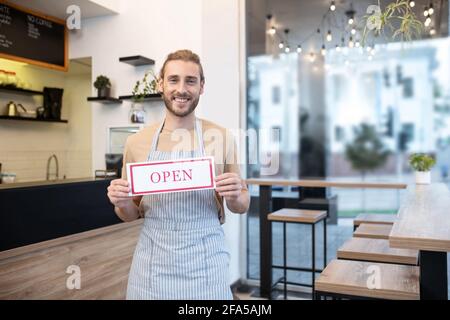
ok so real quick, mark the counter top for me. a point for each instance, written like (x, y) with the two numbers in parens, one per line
(323, 183)
(29, 184)
(423, 220)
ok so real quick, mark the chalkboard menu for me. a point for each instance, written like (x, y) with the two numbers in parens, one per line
(32, 37)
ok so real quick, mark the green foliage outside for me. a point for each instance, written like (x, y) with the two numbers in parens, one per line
(366, 152)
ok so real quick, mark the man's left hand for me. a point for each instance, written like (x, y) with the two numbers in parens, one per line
(229, 186)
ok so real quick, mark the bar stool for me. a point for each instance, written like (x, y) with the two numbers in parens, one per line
(376, 218)
(309, 217)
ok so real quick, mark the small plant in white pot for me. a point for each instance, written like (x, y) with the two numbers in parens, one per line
(422, 164)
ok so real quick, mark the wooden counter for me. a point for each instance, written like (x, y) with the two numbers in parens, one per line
(39, 211)
(29, 184)
(423, 221)
(325, 183)
(104, 255)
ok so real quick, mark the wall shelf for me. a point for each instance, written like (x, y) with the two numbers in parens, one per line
(20, 91)
(137, 60)
(149, 97)
(32, 119)
(105, 100)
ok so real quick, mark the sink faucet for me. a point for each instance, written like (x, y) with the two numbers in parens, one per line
(48, 166)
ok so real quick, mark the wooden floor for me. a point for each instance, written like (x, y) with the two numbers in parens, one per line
(39, 271)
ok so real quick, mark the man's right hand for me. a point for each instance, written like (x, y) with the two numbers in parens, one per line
(118, 193)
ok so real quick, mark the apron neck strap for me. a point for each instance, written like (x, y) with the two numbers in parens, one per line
(198, 134)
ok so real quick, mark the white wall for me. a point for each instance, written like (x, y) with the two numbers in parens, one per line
(220, 102)
(153, 29)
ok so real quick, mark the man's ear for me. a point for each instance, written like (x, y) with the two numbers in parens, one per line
(202, 84)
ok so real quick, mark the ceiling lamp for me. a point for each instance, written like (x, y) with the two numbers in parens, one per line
(351, 44)
(430, 9)
(332, 6)
(350, 13)
(329, 37)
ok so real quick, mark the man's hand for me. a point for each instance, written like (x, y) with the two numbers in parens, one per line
(229, 186)
(118, 193)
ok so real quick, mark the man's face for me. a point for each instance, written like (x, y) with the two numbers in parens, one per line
(181, 87)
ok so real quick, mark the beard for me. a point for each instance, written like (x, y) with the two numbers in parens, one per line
(191, 104)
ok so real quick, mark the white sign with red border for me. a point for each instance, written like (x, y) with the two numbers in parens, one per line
(171, 176)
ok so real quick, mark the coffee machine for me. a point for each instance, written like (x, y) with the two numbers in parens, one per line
(114, 162)
(52, 103)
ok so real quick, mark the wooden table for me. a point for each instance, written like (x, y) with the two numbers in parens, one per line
(423, 223)
(265, 207)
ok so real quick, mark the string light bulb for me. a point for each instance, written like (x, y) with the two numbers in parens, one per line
(287, 49)
(357, 44)
(338, 48)
(353, 31)
(425, 11)
(323, 51)
(332, 6)
(299, 49)
(281, 45)
(329, 36)
(412, 4)
(432, 32)
(272, 31)
(312, 57)
(351, 20)
(351, 44)
(430, 9)
(427, 21)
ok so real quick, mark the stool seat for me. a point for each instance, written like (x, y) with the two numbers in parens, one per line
(297, 215)
(376, 250)
(351, 278)
(374, 218)
(372, 230)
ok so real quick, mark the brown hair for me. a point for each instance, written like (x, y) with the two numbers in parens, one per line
(184, 55)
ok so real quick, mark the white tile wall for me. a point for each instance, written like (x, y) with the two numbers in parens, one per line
(32, 165)
(26, 146)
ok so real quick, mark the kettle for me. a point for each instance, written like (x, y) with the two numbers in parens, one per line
(13, 109)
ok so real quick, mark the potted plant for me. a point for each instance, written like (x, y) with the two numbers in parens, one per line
(145, 87)
(103, 86)
(398, 17)
(422, 164)
(141, 89)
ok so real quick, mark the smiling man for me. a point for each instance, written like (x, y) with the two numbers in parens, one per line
(181, 252)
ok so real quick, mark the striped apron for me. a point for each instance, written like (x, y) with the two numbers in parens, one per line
(181, 252)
